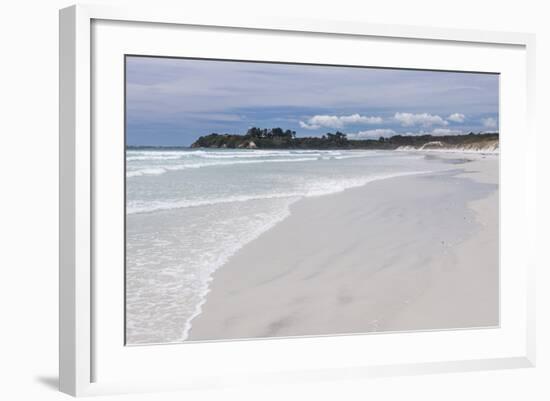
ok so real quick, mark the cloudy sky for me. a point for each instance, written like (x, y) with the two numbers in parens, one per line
(174, 101)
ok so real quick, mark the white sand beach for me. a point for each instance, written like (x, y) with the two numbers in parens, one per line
(407, 253)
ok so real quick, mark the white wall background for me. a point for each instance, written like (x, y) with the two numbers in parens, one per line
(29, 185)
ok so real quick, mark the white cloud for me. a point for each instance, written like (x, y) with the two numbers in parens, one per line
(445, 131)
(358, 119)
(319, 121)
(457, 117)
(489, 122)
(372, 134)
(423, 119)
(309, 126)
(435, 131)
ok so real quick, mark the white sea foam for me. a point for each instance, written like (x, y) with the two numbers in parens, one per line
(326, 187)
(257, 155)
(153, 206)
(152, 157)
(146, 171)
(165, 168)
(133, 155)
(222, 258)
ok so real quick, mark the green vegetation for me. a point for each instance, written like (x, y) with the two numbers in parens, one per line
(277, 138)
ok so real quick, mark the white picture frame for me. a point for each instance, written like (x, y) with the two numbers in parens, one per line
(82, 345)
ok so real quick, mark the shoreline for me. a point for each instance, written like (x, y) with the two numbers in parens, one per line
(245, 301)
(198, 308)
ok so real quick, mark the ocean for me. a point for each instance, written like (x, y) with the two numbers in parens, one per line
(189, 210)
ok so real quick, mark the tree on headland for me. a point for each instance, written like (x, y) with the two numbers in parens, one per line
(277, 138)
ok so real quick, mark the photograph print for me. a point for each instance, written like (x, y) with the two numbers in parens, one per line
(270, 200)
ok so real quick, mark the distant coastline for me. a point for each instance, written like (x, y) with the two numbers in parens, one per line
(277, 138)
